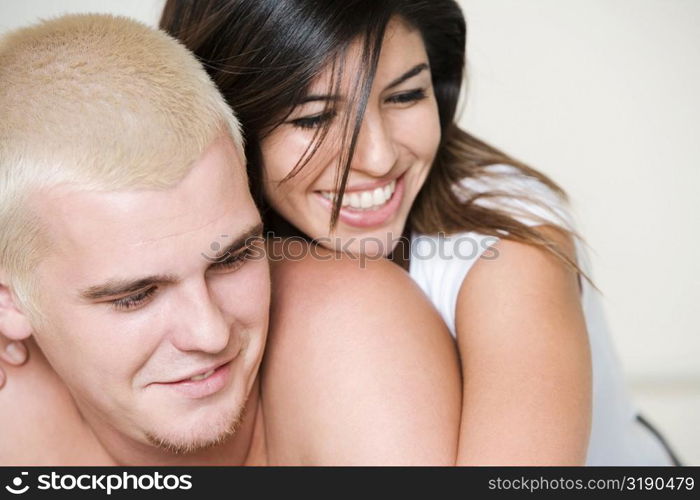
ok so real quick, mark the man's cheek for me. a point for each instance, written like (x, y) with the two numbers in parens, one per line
(247, 299)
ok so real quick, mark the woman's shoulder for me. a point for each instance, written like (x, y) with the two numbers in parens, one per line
(441, 263)
(299, 263)
(343, 334)
(314, 287)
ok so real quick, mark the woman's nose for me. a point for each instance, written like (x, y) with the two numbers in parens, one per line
(376, 151)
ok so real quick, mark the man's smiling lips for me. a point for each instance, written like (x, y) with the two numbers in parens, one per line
(201, 383)
(364, 205)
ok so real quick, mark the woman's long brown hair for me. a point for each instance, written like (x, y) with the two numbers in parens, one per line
(264, 55)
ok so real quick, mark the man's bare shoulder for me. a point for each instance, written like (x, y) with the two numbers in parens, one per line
(39, 422)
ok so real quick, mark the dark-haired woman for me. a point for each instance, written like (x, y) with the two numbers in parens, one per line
(348, 107)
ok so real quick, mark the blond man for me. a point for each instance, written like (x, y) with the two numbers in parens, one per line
(120, 167)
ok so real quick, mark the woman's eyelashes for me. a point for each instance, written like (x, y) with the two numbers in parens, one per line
(409, 97)
(317, 120)
(314, 121)
(228, 264)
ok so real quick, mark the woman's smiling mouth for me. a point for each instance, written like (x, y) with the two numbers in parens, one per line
(370, 199)
(367, 207)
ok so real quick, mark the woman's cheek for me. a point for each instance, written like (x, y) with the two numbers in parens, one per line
(277, 160)
(427, 133)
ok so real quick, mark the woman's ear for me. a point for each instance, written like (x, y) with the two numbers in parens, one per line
(14, 324)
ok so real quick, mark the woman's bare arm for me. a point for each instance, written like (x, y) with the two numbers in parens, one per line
(360, 369)
(526, 362)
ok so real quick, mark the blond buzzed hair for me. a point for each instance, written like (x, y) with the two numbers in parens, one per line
(100, 102)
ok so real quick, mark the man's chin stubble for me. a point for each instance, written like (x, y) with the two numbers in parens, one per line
(193, 443)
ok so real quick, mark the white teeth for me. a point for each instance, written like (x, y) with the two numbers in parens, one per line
(366, 199)
(197, 378)
(354, 200)
(360, 200)
(387, 192)
(378, 196)
(331, 196)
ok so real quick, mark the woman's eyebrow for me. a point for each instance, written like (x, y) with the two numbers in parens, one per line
(415, 70)
(318, 97)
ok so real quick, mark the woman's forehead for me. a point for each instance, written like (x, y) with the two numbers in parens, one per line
(402, 48)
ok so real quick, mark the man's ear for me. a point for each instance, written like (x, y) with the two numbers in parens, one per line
(14, 324)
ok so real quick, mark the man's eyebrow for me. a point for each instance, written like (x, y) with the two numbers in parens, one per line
(415, 70)
(238, 243)
(116, 287)
(119, 287)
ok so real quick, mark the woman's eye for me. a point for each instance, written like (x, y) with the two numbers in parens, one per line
(407, 97)
(311, 122)
(133, 301)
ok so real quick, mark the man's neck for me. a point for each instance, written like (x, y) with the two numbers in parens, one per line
(245, 447)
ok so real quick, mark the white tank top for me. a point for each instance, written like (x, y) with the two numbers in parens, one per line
(439, 264)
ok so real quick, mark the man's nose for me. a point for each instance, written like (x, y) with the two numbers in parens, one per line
(376, 151)
(202, 326)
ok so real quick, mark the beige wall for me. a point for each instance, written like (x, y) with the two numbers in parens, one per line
(15, 13)
(603, 95)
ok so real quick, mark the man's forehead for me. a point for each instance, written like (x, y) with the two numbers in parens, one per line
(94, 229)
(100, 225)
(215, 183)
(87, 219)
(99, 248)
